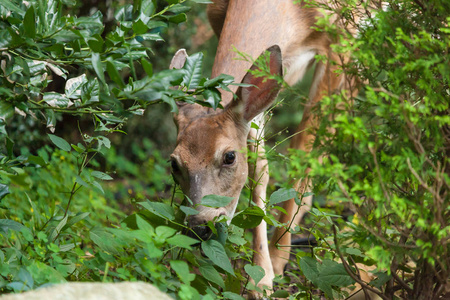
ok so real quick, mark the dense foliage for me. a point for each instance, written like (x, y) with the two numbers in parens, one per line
(77, 209)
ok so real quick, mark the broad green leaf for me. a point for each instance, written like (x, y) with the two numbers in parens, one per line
(193, 67)
(6, 224)
(202, 1)
(164, 232)
(58, 228)
(182, 241)
(160, 209)
(280, 294)
(56, 99)
(148, 67)
(139, 27)
(249, 217)
(11, 6)
(101, 175)
(36, 160)
(98, 67)
(77, 218)
(29, 23)
(212, 97)
(216, 253)
(189, 211)
(256, 272)
(60, 143)
(216, 201)
(210, 273)
(105, 241)
(43, 273)
(182, 269)
(4, 190)
(232, 296)
(282, 195)
(114, 74)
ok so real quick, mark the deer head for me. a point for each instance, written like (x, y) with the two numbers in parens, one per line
(210, 155)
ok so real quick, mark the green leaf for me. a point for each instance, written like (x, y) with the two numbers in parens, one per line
(98, 67)
(114, 74)
(58, 228)
(256, 272)
(280, 294)
(216, 253)
(210, 273)
(232, 296)
(6, 224)
(101, 175)
(216, 201)
(282, 195)
(188, 211)
(105, 240)
(60, 143)
(4, 190)
(77, 218)
(193, 67)
(325, 275)
(160, 209)
(178, 18)
(29, 23)
(148, 67)
(249, 217)
(182, 241)
(36, 160)
(182, 269)
(11, 6)
(212, 97)
(139, 27)
(202, 1)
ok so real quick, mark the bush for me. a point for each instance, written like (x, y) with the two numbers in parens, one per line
(387, 155)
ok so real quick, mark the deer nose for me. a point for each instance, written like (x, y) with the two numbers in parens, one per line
(201, 232)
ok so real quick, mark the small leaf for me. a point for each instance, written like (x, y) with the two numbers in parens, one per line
(280, 294)
(60, 143)
(211, 274)
(193, 67)
(188, 211)
(114, 74)
(4, 190)
(182, 269)
(216, 253)
(249, 217)
(282, 195)
(216, 201)
(160, 209)
(98, 67)
(148, 67)
(101, 175)
(6, 224)
(182, 241)
(29, 23)
(212, 97)
(256, 272)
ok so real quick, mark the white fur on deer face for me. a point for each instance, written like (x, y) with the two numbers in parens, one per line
(210, 157)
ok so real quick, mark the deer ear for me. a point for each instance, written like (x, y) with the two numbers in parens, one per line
(178, 59)
(253, 100)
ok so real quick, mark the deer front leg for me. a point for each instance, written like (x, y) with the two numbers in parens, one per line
(259, 174)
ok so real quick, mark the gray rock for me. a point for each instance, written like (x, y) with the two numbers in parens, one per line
(93, 291)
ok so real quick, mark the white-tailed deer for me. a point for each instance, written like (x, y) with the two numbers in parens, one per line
(208, 157)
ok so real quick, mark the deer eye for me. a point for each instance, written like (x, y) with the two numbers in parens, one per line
(229, 158)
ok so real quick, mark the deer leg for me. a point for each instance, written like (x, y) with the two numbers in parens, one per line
(325, 81)
(259, 174)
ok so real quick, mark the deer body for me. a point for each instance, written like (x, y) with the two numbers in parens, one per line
(208, 157)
